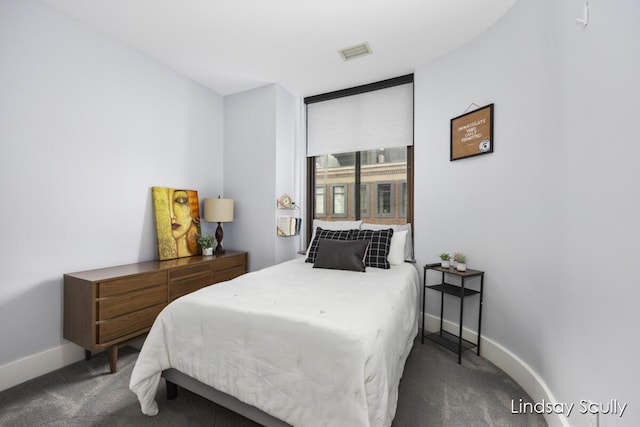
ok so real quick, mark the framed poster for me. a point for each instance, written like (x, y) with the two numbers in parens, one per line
(177, 215)
(472, 133)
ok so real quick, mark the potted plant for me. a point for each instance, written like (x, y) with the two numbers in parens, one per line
(206, 242)
(461, 260)
(444, 260)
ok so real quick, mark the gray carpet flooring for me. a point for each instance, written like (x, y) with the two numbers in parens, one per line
(434, 391)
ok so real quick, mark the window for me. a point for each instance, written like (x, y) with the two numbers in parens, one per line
(385, 200)
(321, 201)
(339, 200)
(360, 153)
(335, 174)
(380, 174)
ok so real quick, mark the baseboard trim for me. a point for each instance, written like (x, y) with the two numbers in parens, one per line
(504, 359)
(33, 366)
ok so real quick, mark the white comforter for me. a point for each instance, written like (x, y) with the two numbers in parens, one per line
(312, 347)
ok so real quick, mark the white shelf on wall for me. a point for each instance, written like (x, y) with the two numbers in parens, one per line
(288, 226)
(286, 202)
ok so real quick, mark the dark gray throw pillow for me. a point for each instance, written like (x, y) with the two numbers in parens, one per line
(341, 254)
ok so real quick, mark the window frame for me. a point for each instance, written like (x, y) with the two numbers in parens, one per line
(310, 193)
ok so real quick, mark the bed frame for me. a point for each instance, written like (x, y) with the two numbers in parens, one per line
(175, 378)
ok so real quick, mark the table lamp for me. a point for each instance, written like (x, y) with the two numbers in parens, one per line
(218, 210)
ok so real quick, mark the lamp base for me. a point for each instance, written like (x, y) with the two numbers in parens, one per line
(219, 236)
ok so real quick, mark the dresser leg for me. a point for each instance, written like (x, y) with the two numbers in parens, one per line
(87, 355)
(113, 358)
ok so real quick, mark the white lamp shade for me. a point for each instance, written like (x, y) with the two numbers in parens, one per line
(218, 210)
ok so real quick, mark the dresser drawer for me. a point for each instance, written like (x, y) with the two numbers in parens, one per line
(183, 287)
(228, 274)
(132, 323)
(189, 278)
(127, 284)
(229, 262)
(131, 301)
(189, 271)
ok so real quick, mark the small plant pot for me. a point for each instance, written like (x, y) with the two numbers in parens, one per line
(461, 267)
(444, 264)
(207, 251)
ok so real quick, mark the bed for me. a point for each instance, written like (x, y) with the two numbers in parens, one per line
(289, 345)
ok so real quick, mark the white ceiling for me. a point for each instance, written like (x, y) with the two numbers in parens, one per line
(235, 45)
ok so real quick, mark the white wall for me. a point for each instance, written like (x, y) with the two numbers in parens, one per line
(258, 167)
(601, 207)
(87, 126)
(551, 215)
(288, 159)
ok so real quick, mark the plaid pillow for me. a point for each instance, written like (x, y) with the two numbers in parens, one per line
(378, 248)
(326, 234)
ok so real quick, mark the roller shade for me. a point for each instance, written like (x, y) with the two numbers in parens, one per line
(365, 121)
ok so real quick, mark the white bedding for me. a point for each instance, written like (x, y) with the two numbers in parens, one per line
(312, 347)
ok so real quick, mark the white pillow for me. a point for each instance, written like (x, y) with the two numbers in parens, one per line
(337, 225)
(396, 248)
(408, 247)
(332, 225)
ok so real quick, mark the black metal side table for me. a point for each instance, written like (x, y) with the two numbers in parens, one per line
(457, 344)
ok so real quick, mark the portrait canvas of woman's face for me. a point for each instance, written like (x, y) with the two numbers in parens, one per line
(177, 214)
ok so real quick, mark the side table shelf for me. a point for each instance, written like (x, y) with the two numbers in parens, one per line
(448, 340)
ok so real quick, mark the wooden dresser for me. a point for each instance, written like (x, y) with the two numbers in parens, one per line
(111, 306)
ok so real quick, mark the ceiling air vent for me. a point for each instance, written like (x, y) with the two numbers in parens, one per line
(356, 51)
